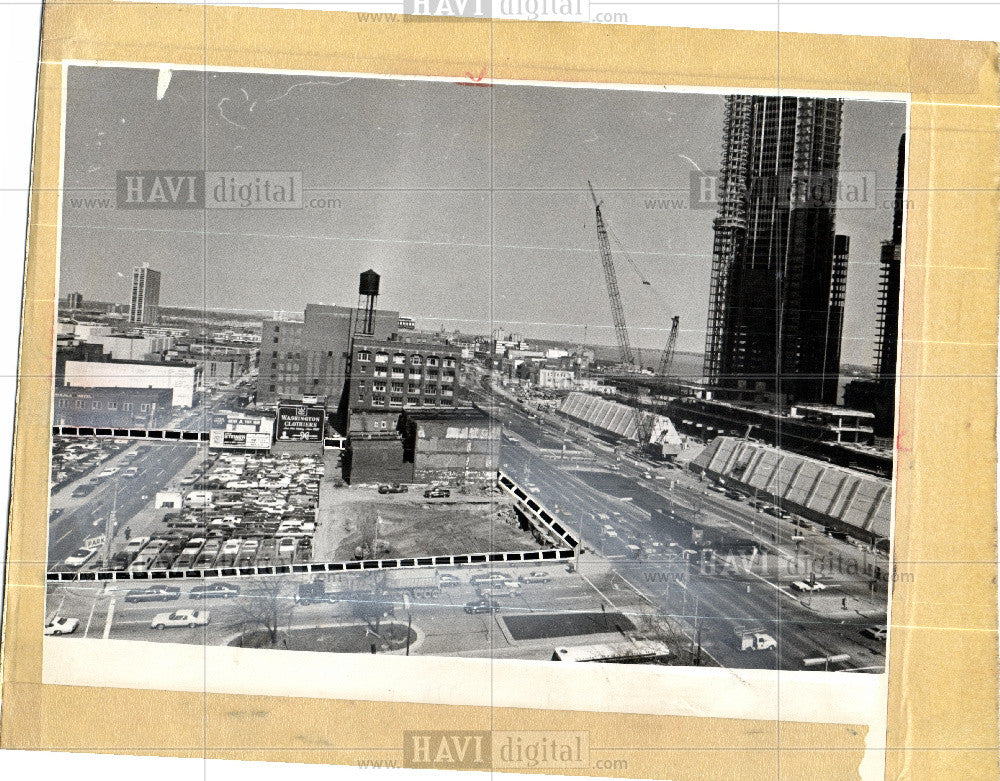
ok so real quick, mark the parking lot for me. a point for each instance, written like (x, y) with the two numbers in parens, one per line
(235, 510)
(73, 459)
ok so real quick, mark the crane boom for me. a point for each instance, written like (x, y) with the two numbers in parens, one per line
(642, 426)
(611, 280)
(667, 359)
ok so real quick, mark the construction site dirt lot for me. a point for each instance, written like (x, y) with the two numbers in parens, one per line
(360, 522)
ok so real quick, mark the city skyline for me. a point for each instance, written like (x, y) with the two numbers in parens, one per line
(483, 230)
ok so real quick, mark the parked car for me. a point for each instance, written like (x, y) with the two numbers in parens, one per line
(437, 493)
(121, 561)
(188, 618)
(539, 576)
(85, 489)
(481, 606)
(446, 581)
(213, 590)
(393, 488)
(153, 594)
(286, 548)
(61, 626)
(79, 557)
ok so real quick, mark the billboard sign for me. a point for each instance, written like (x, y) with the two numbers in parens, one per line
(235, 431)
(239, 440)
(300, 423)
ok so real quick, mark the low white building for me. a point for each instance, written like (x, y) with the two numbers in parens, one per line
(185, 379)
(129, 347)
(168, 499)
(555, 378)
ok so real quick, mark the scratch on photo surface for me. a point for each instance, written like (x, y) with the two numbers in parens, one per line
(162, 82)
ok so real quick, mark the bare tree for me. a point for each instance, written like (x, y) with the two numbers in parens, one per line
(371, 545)
(370, 601)
(266, 605)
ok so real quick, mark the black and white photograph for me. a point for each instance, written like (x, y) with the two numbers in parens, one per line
(530, 372)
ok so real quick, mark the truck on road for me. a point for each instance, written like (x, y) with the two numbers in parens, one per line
(755, 640)
(393, 585)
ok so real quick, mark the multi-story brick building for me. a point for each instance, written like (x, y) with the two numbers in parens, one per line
(309, 357)
(112, 407)
(390, 375)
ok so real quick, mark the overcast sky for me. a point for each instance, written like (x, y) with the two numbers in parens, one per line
(471, 201)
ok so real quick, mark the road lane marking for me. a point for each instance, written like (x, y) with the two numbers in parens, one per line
(92, 608)
(111, 615)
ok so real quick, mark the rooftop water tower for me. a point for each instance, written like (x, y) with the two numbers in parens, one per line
(367, 296)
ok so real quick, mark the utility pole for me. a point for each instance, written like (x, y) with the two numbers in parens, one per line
(109, 526)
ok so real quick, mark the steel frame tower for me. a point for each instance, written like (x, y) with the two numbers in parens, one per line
(774, 324)
(667, 359)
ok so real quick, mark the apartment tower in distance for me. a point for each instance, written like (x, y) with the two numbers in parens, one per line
(778, 269)
(144, 306)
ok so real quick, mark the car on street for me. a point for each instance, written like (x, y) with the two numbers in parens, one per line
(84, 489)
(437, 493)
(777, 512)
(79, 557)
(801, 585)
(61, 626)
(492, 577)
(179, 618)
(214, 590)
(392, 488)
(153, 594)
(132, 471)
(481, 606)
(492, 590)
(875, 632)
(719, 489)
(538, 576)
(732, 493)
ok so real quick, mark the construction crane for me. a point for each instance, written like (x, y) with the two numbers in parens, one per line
(667, 359)
(611, 280)
(642, 429)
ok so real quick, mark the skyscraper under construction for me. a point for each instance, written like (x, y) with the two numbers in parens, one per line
(888, 308)
(778, 269)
